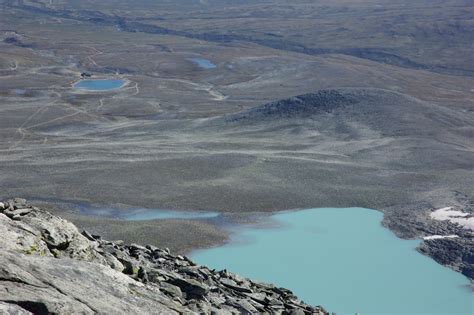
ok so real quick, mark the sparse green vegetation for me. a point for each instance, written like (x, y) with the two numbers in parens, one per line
(32, 250)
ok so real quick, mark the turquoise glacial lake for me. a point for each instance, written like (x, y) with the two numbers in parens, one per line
(344, 260)
(203, 63)
(99, 85)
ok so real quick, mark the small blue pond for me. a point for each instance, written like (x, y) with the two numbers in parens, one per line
(203, 63)
(99, 85)
(346, 261)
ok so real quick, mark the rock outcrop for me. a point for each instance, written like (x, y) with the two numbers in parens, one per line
(48, 266)
(302, 106)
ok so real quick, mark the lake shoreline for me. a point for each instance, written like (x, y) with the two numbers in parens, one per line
(273, 245)
(221, 228)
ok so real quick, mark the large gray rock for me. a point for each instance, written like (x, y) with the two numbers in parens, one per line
(17, 212)
(68, 286)
(243, 306)
(12, 309)
(191, 287)
(171, 290)
(234, 286)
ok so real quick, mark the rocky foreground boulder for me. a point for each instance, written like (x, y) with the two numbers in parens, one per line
(48, 267)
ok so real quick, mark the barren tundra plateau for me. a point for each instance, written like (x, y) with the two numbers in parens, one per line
(243, 108)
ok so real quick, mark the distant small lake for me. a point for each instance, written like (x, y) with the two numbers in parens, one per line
(99, 84)
(344, 260)
(203, 63)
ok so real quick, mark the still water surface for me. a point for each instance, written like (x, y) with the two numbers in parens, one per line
(98, 85)
(346, 261)
(143, 214)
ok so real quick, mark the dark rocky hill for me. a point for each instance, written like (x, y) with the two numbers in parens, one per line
(337, 110)
(324, 101)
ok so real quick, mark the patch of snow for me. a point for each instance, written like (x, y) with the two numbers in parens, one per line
(437, 237)
(454, 216)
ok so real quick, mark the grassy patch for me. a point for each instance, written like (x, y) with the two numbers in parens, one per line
(30, 251)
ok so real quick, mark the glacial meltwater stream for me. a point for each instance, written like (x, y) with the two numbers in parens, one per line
(143, 214)
(346, 261)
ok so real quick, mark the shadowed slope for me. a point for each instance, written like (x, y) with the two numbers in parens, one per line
(324, 101)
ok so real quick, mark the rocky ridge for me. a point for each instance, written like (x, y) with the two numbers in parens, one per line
(48, 267)
(302, 106)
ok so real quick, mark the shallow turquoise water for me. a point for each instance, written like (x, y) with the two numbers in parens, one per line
(98, 85)
(346, 261)
(155, 214)
(203, 63)
(143, 214)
